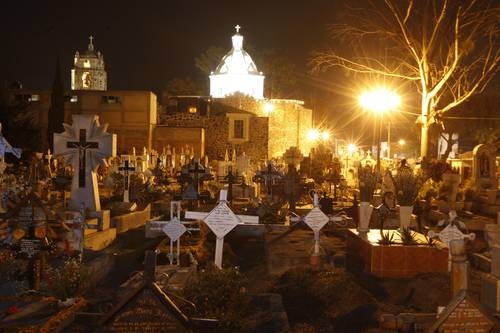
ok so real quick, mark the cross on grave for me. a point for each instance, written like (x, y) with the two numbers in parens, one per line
(316, 220)
(451, 232)
(268, 176)
(126, 178)
(221, 220)
(81, 146)
(86, 144)
(173, 228)
(231, 179)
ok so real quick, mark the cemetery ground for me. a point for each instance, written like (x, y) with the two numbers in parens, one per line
(330, 299)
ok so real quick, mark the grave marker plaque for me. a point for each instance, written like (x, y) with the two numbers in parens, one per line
(463, 314)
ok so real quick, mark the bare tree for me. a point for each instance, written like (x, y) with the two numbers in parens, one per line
(449, 49)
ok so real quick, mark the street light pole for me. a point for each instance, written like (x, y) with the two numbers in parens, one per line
(379, 139)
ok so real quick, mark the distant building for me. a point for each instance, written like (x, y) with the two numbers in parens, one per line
(88, 70)
(237, 72)
(130, 114)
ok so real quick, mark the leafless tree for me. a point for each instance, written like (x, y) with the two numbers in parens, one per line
(449, 49)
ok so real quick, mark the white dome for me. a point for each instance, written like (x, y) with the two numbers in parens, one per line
(237, 61)
(237, 73)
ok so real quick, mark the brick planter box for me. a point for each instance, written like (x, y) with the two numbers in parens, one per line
(394, 261)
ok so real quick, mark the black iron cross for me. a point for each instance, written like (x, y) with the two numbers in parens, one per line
(195, 170)
(82, 145)
(126, 168)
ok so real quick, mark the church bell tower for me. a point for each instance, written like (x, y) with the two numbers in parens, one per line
(88, 71)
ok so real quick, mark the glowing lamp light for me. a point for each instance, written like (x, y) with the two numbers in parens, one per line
(379, 100)
(268, 108)
(313, 134)
(351, 148)
(325, 135)
(402, 142)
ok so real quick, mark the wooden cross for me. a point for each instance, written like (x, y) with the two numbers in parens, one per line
(81, 146)
(126, 178)
(221, 220)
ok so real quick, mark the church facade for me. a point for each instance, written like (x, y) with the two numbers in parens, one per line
(88, 72)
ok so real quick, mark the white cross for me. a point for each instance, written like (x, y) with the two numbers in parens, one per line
(237, 27)
(316, 220)
(86, 144)
(173, 228)
(451, 232)
(221, 220)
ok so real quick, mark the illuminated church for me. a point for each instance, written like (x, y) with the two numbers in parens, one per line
(88, 72)
(237, 73)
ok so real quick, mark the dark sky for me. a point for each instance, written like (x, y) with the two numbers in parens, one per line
(147, 43)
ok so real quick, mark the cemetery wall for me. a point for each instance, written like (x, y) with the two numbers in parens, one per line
(178, 137)
(289, 124)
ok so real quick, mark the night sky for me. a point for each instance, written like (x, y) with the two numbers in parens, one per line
(147, 43)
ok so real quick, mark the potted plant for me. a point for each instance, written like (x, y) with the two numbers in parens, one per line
(407, 187)
(368, 180)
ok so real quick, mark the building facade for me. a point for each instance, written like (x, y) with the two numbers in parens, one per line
(88, 70)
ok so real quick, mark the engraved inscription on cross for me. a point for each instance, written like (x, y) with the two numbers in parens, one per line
(85, 144)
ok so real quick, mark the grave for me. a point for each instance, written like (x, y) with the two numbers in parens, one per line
(30, 235)
(86, 144)
(147, 308)
(464, 314)
(396, 260)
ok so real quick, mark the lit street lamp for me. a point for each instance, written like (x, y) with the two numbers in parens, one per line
(379, 101)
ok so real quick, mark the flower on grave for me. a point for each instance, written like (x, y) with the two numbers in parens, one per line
(67, 280)
(12, 309)
(407, 186)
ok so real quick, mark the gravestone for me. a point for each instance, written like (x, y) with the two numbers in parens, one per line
(464, 314)
(452, 181)
(86, 144)
(243, 165)
(292, 187)
(125, 171)
(31, 226)
(483, 166)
